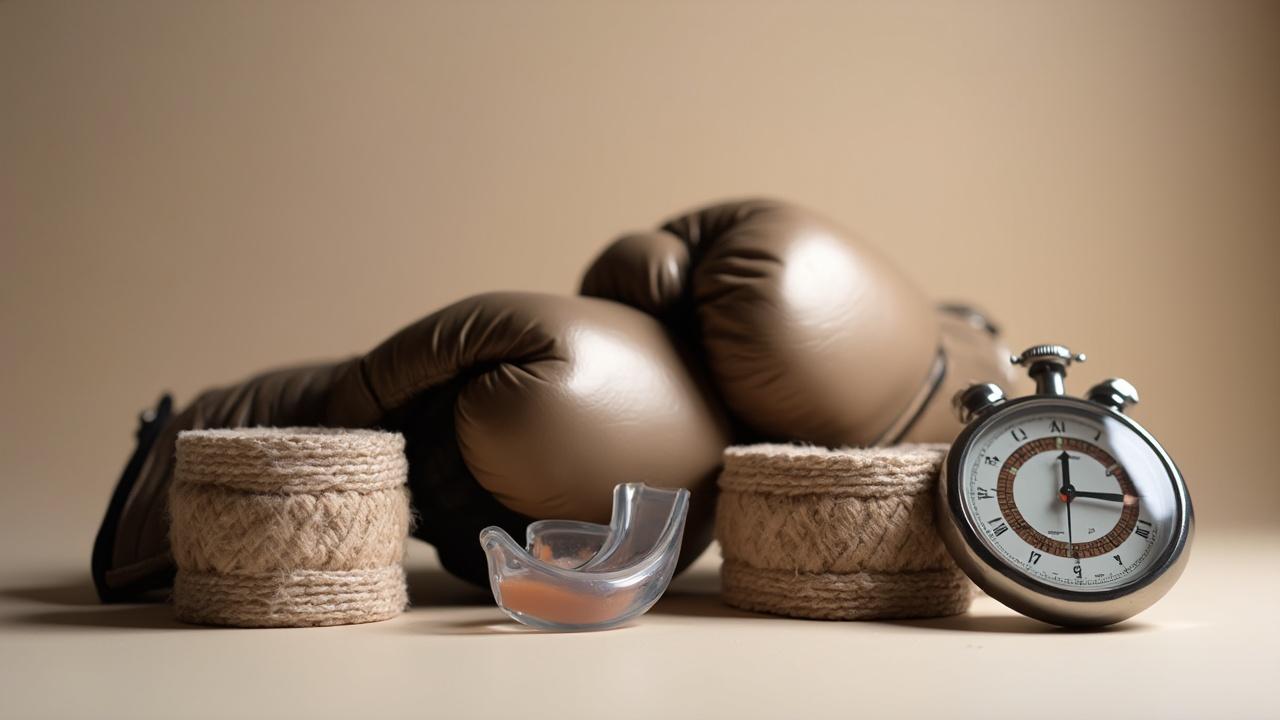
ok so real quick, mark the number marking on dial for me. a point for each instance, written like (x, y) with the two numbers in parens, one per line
(1071, 487)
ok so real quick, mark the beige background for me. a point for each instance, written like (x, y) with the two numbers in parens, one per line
(190, 192)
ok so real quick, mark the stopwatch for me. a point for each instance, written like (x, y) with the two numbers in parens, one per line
(1062, 508)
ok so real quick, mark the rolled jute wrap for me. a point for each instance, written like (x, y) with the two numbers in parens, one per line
(289, 527)
(835, 534)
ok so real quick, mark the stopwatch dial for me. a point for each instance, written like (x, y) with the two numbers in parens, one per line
(1069, 497)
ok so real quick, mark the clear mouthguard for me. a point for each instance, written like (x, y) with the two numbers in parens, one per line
(582, 576)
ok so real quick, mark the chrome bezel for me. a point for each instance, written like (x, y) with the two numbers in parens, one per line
(1032, 597)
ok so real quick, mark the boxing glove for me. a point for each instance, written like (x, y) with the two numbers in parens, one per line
(514, 407)
(809, 334)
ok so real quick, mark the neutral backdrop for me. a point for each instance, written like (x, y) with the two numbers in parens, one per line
(191, 192)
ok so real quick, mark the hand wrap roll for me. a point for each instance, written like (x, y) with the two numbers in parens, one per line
(835, 534)
(289, 527)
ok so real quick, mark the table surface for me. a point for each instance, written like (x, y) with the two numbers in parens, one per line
(1211, 648)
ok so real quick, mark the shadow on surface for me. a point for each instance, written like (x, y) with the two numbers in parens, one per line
(433, 587)
(1010, 624)
(709, 605)
(73, 591)
(137, 617)
(73, 603)
(484, 626)
(702, 605)
(503, 626)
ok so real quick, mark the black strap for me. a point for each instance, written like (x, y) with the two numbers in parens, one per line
(150, 423)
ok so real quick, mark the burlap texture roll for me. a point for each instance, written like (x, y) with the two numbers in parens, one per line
(289, 527)
(835, 534)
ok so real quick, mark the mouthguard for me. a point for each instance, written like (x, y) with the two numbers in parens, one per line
(583, 576)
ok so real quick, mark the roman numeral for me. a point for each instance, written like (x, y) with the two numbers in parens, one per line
(1057, 426)
(1117, 559)
(1035, 557)
(985, 494)
(1001, 528)
(1018, 434)
(1143, 532)
(1097, 435)
(992, 460)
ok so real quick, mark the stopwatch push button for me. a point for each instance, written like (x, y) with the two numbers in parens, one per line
(976, 399)
(1115, 393)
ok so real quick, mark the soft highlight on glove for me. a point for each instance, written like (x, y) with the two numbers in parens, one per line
(808, 333)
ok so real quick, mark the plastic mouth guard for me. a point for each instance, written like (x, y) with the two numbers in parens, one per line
(582, 576)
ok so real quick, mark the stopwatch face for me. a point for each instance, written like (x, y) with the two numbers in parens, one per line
(1069, 496)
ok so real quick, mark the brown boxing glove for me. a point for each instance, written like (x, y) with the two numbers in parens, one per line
(808, 333)
(514, 407)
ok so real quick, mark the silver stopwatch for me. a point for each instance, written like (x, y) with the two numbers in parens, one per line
(1063, 509)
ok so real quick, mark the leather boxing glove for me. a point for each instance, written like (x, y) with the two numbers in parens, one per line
(514, 407)
(808, 333)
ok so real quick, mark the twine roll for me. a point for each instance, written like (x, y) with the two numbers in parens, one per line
(835, 534)
(289, 527)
